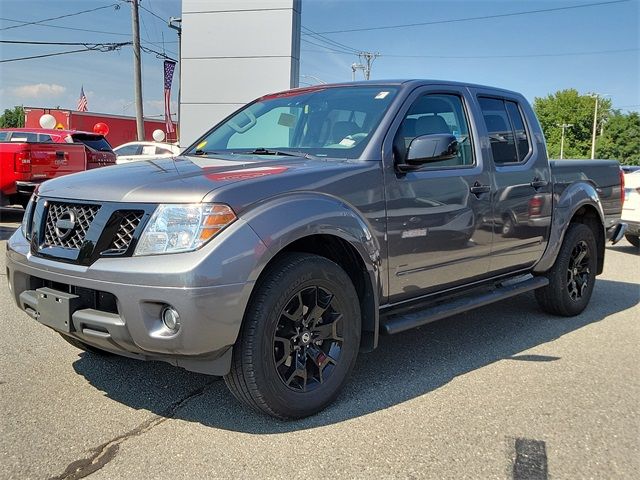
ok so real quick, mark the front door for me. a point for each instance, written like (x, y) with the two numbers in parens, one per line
(439, 221)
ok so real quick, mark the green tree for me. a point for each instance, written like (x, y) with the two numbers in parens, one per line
(621, 139)
(569, 107)
(12, 118)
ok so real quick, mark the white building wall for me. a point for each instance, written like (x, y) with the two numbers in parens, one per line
(233, 52)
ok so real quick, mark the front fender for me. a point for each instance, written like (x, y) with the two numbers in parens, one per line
(280, 221)
(574, 197)
(284, 219)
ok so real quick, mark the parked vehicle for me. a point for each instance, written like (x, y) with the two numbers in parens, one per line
(30, 156)
(135, 151)
(631, 210)
(298, 229)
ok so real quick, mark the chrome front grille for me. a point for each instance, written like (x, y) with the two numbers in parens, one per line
(123, 237)
(67, 224)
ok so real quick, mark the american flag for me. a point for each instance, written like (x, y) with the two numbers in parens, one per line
(82, 101)
(169, 67)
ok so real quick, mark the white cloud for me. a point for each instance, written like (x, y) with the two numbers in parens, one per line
(38, 90)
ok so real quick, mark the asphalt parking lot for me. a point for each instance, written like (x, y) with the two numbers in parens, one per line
(502, 392)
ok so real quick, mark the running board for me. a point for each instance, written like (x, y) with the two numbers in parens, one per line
(406, 321)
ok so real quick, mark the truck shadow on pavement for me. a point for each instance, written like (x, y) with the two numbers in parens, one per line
(403, 367)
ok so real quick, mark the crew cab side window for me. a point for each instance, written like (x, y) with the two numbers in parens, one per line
(436, 114)
(507, 132)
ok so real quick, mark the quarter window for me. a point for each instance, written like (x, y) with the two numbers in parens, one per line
(507, 132)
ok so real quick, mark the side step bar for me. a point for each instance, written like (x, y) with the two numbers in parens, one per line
(406, 321)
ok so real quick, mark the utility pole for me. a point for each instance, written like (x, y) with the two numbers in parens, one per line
(137, 69)
(176, 24)
(369, 57)
(595, 126)
(564, 125)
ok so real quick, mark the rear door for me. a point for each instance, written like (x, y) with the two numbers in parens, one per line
(522, 200)
(438, 217)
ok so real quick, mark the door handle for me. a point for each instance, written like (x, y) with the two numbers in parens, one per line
(60, 154)
(478, 189)
(537, 183)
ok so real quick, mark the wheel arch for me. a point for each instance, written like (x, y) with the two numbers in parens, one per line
(326, 226)
(578, 203)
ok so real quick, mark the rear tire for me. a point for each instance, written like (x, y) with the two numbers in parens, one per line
(573, 275)
(299, 339)
(83, 346)
(633, 240)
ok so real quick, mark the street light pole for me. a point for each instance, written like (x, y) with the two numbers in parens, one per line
(564, 125)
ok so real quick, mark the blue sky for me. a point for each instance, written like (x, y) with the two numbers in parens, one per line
(535, 54)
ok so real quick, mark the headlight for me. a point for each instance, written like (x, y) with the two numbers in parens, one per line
(25, 226)
(183, 228)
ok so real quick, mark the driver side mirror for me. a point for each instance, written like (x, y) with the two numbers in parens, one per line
(429, 148)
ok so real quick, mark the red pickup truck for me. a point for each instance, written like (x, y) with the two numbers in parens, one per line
(30, 156)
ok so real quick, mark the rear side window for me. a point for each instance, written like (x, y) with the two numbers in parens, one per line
(507, 133)
(96, 142)
(24, 137)
(4, 136)
(128, 150)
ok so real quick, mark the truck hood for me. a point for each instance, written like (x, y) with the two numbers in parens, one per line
(185, 179)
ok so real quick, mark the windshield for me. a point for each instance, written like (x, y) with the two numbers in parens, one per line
(328, 122)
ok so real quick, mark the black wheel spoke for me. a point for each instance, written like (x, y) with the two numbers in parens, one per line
(578, 271)
(306, 331)
(286, 350)
(328, 331)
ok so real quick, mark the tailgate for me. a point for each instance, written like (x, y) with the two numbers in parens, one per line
(50, 160)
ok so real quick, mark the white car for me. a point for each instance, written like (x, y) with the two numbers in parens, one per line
(135, 151)
(631, 207)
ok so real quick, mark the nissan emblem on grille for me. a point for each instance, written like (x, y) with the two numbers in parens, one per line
(65, 224)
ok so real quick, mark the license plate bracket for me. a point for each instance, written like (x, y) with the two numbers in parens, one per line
(54, 308)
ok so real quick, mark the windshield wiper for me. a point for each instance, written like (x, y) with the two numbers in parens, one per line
(265, 151)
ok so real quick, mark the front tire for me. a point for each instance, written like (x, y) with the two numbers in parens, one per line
(633, 240)
(299, 339)
(573, 275)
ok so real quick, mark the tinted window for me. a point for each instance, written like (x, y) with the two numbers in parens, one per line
(127, 150)
(4, 136)
(44, 138)
(96, 142)
(24, 137)
(163, 151)
(432, 114)
(522, 139)
(507, 132)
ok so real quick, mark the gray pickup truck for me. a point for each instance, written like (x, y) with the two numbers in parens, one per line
(296, 231)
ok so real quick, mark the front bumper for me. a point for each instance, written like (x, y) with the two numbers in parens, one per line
(120, 300)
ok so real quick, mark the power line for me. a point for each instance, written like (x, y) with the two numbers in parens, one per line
(164, 20)
(567, 54)
(24, 24)
(328, 40)
(534, 55)
(467, 19)
(69, 28)
(329, 48)
(98, 48)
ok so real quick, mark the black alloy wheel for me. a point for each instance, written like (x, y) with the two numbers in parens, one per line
(578, 271)
(573, 275)
(299, 339)
(308, 339)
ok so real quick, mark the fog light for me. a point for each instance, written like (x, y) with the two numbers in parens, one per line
(171, 319)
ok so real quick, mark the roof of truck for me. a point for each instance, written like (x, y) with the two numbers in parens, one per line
(405, 82)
